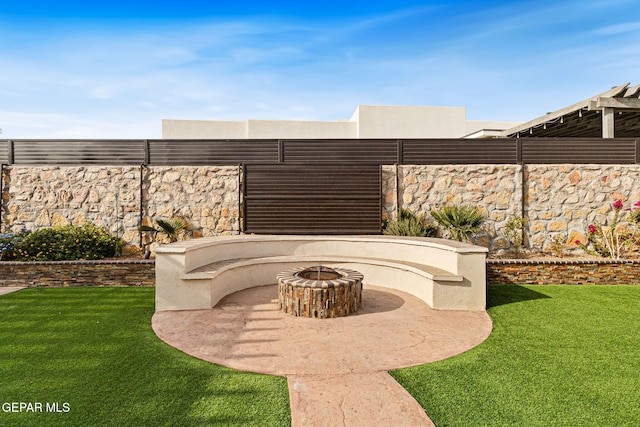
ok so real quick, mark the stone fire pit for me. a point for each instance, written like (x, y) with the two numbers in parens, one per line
(319, 291)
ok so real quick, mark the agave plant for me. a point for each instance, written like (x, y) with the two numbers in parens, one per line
(410, 224)
(459, 221)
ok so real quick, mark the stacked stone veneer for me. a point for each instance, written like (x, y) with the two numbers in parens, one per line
(78, 273)
(559, 201)
(113, 197)
(563, 272)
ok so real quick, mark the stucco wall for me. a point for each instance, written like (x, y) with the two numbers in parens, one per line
(368, 121)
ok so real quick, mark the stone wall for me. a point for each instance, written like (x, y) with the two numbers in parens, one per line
(562, 200)
(208, 197)
(559, 201)
(495, 189)
(37, 197)
(112, 197)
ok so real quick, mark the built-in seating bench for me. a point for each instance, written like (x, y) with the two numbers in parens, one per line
(198, 273)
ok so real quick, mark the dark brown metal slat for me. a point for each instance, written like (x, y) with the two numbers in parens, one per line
(312, 199)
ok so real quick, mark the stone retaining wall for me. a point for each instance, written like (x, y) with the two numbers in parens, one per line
(78, 273)
(563, 272)
(142, 273)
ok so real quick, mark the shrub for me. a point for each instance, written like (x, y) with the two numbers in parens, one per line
(608, 241)
(514, 231)
(557, 245)
(67, 243)
(7, 244)
(459, 221)
(410, 224)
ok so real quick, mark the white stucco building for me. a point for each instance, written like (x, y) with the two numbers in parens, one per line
(368, 121)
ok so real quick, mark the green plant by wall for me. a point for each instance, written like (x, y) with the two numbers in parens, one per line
(611, 241)
(460, 222)
(557, 245)
(410, 224)
(67, 243)
(514, 231)
(8, 242)
(171, 228)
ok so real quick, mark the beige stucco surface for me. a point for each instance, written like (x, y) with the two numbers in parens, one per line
(196, 274)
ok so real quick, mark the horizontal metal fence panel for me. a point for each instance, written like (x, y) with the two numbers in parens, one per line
(312, 199)
(578, 151)
(78, 152)
(459, 151)
(4, 152)
(341, 151)
(313, 216)
(302, 180)
(216, 152)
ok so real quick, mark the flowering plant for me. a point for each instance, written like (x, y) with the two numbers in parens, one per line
(609, 241)
(8, 242)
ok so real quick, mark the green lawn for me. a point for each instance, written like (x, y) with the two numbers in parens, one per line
(558, 356)
(93, 349)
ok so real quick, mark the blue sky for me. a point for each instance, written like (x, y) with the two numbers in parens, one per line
(115, 69)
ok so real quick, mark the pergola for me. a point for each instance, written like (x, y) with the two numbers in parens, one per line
(614, 113)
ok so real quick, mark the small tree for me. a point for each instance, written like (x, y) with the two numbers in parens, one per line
(514, 232)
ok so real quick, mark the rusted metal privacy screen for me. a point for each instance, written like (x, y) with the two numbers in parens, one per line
(330, 151)
(312, 199)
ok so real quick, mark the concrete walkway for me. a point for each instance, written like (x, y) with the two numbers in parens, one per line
(8, 289)
(336, 368)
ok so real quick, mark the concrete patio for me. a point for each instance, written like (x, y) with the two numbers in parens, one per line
(336, 368)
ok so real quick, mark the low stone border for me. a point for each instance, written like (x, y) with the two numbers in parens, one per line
(563, 272)
(142, 272)
(78, 273)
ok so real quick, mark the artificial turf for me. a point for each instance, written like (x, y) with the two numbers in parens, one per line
(88, 356)
(558, 356)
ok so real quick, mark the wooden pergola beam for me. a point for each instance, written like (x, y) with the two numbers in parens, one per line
(618, 103)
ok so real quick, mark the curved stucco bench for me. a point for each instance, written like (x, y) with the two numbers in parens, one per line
(198, 273)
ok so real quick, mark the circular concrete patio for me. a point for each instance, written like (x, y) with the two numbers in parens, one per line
(336, 368)
(392, 330)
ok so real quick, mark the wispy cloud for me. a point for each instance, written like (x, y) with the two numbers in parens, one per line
(507, 62)
(620, 28)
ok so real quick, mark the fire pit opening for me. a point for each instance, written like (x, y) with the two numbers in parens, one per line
(319, 272)
(319, 291)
